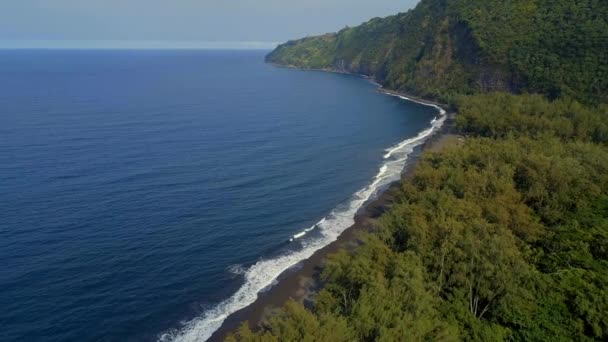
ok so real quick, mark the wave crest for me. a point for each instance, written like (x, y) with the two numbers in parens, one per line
(264, 273)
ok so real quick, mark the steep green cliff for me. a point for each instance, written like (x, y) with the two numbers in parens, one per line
(443, 48)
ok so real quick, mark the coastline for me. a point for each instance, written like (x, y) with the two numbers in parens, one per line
(381, 88)
(301, 282)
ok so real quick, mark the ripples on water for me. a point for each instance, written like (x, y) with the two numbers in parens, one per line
(141, 189)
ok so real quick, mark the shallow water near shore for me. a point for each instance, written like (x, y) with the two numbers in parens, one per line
(149, 194)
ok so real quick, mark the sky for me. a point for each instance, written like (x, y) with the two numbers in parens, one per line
(180, 23)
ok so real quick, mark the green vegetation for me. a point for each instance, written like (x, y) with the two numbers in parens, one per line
(445, 48)
(504, 237)
(316, 51)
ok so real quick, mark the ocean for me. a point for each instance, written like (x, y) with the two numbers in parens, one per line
(146, 195)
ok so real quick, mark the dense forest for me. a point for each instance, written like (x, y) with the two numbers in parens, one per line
(504, 237)
(444, 48)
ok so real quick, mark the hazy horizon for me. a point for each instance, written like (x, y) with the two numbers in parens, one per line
(186, 24)
(135, 45)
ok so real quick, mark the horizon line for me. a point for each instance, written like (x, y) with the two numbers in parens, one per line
(133, 45)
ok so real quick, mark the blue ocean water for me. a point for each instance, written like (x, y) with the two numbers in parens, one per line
(143, 189)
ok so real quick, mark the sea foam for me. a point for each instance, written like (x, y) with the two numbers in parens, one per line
(264, 273)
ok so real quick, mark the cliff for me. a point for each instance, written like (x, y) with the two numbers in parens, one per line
(444, 48)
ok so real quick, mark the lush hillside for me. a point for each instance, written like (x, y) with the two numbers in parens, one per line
(442, 48)
(506, 236)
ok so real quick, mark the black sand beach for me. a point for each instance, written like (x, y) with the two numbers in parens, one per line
(302, 281)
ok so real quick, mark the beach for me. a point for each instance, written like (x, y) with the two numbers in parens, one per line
(301, 282)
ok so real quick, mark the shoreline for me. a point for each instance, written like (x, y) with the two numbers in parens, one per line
(381, 88)
(301, 281)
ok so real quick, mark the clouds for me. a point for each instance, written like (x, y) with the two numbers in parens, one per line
(184, 20)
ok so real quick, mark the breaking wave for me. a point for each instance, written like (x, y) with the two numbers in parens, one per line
(264, 273)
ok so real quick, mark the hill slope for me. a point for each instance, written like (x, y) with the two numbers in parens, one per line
(443, 48)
